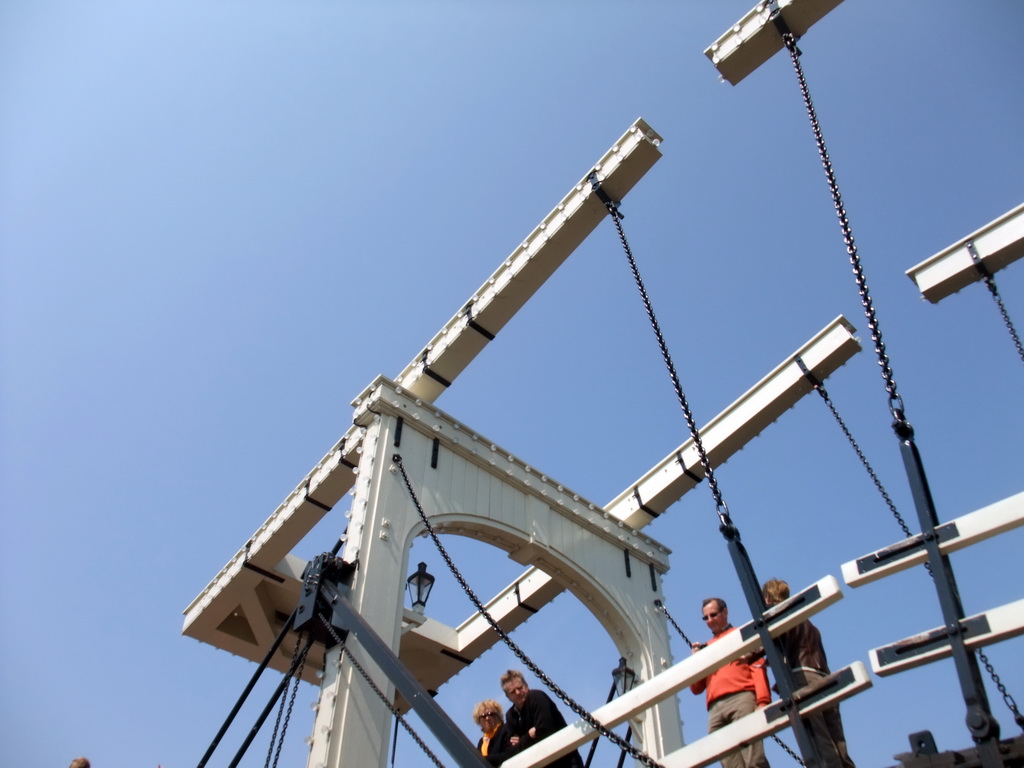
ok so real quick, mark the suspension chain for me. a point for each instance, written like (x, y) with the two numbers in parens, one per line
(895, 402)
(661, 607)
(380, 694)
(820, 388)
(867, 466)
(1007, 698)
(298, 664)
(787, 749)
(520, 654)
(705, 462)
(990, 283)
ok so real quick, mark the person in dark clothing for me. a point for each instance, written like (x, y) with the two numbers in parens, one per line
(805, 655)
(496, 742)
(533, 717)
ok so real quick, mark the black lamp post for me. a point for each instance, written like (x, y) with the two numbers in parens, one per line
(624, 677)
(419, 585)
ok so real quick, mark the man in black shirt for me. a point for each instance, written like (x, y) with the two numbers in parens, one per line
(533, 716)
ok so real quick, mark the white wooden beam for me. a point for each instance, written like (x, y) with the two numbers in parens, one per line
(754, 39)
(969, 529)
(526, 269)
(980, 630)
(997, 244)
(737, 425)
(764, 722)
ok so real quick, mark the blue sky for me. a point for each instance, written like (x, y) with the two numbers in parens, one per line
(219, 221)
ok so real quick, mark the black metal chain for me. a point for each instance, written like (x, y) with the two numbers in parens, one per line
(1007, 698)
(895, 402)
(896, 407)
(787, 749)
(520, 654)
(661, 607)
(380, 694)
(819, 387)
(990, 283)
(298, 664)
(705, 462)
(741, 561)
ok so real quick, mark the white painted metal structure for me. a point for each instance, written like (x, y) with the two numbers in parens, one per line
(997, 244)
(754, 39)
(469, 485)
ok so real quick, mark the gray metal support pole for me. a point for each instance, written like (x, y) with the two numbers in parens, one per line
(347, 619)
(772, 647)
(983, 726)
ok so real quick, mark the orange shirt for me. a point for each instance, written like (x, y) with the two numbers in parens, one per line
(735, 677)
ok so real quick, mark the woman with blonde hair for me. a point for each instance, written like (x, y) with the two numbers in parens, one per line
(495, 744)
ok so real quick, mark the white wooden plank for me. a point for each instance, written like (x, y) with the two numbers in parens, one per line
(758, 724)
(956, 534)
(980, 630)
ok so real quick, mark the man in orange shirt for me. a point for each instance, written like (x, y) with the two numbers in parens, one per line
(735, 690)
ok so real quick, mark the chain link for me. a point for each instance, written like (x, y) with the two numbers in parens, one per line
(705, 462)
(520, 654)
(380, 694)
(787, 749)
(661, 607)
(990, 283)
(295, 670)
(291, 703)
(895, 402)
(1007, 698)
(820, 388)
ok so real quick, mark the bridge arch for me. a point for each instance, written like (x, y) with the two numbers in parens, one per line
(465, 485)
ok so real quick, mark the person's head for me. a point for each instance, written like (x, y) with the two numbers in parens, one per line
(487, 714)
(716, 614)
(79, 762)
(775, 591)
(515, 687)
